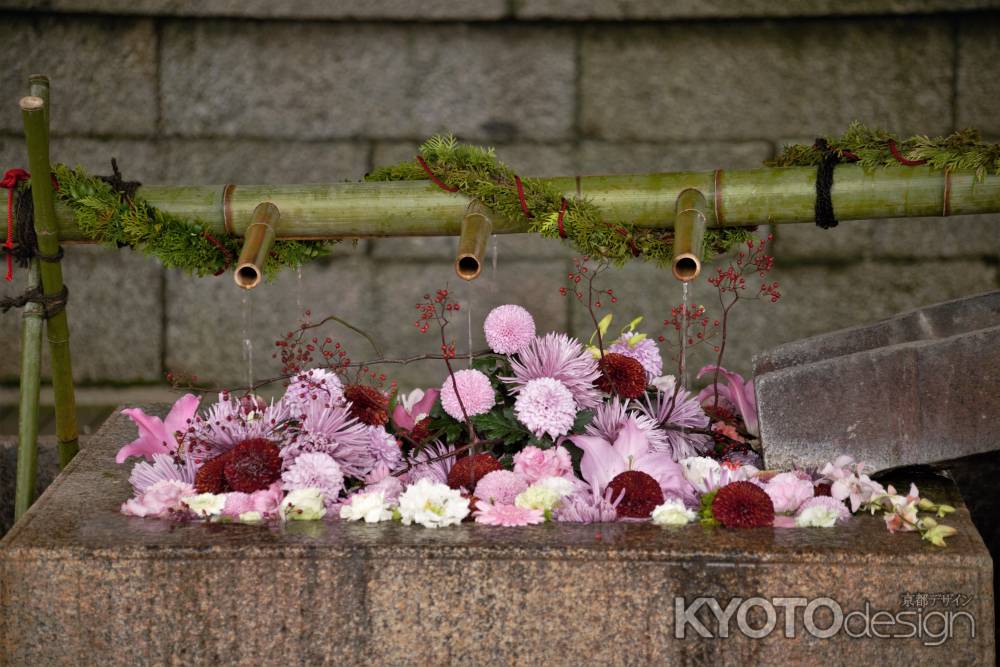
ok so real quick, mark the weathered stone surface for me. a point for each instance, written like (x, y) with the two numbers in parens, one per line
(614, 10)
(158, 592)
(917, 388)
(139, 159)
(103, 72)
(467, 80)
(115, 324)
(606, 157)
(48, 468)
(650, 83)
(978, 90)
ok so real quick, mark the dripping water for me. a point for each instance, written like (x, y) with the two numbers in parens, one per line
(246, 333)
(683, 379)
(298, 290)
(493, 274)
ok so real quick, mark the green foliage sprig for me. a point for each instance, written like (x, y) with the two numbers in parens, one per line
(105, 215)
(478, 174)
(962, 150)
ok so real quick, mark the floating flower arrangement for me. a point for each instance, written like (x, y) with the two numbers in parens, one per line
(540, 428)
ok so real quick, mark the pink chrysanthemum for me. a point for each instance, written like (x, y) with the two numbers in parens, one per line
(315, 470)
(431, 463)
(315, 385)
(159, 500)
(546, 407)
(587, 507)
(562, 358)
(509, 329)
(673, 412)
(500, 487)
(331, 430)
(645, 351)
(476, 392)
(232, 421)
(611, 416)
(163, 468)
(383, 447)
(508, 515)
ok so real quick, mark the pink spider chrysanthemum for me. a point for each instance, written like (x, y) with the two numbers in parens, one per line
(673, 413)
(562, 358)
(163, 468)
(475, 390)
(611, 416)
(509, 329)
(546, 407)
(431, 462)
(315, 470)
(233, 420)
(333, 431)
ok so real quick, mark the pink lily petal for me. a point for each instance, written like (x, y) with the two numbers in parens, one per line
(740, 393)
(424, 405)
(401, 418)
(184, 409)
(601, 462)
(152, 437)
(631, 443)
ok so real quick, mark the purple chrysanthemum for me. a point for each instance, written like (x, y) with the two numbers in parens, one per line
(546, 407)
(562, 358)
(314, 385)
(611, 416)
(315, 470)
(333, 431)
(163, 468)
(500, 486)
(475, 389)
(645, 351)
(586, 507)
(509, 329)
(672, 412)
(383, 447)
(233, 420)
(429, 464)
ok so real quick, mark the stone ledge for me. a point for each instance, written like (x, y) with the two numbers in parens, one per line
(344, 594)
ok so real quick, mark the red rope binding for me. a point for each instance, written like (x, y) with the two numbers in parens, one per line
(520, 196)
(10, 181)
(901, 159)
(437, 181)
(559, 220)
(225, 252)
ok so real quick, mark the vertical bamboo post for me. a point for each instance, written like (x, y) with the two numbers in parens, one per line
(31, 365)
(57, 327)
(257, 243)
(477, 226)
(689, 234)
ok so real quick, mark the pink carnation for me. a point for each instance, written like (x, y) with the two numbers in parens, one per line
(265, 501)
(500, 487)
(476, 392)
(788, 490)
(159, 499)
(509, 329)
(508, 515)
(534, 463)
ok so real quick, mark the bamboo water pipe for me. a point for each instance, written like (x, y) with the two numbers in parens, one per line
(689, 235)
(419, 208)
(477, 227)
(257, 243)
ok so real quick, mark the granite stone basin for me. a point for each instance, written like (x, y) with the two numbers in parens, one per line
(82, 584)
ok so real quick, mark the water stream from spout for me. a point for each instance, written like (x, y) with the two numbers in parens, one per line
(247, 332)
(493, 274)
(298, 291)
(683, 379)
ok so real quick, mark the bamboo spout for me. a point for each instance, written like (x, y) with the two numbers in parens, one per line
(257, 243)
(689, 234)
(477, 226)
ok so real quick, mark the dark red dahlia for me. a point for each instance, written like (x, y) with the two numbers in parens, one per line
(642, 494)
(621, 375)
(421, 430)
(211, 476)
(743, 505)
(822, 489)
(469, 470)
(368, 404)
(253, 465)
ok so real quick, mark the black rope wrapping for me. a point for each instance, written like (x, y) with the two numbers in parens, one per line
(825, 219)
(126, 188)
(25, 241)
(52, 305)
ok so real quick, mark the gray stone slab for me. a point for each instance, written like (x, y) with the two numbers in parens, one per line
(729, 81)
(157, 592)
(115, 317)
(608, 157)
(102, 70)
(978, 87)
(498, 83)
(139, 159)
(917, 388)
(48, 468)
(614, 10)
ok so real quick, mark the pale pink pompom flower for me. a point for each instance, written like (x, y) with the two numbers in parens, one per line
(546, 407)
(501, 487)
(788, 490)
(508, 515)
(475, 389)
(509, 329)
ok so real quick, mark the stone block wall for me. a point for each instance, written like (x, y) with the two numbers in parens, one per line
(311, 91)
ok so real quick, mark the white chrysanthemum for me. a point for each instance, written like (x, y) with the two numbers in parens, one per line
(673, 513)
(561, 485)
(205, 504)
(546, 407)
(432, 504)
(303, 505)
(539, 497)
(370, 507)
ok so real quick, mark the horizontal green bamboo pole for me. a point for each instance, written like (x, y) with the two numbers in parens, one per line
(419, 208)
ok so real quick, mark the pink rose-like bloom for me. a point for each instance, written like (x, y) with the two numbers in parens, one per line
(476, 392)
(158, 436)
(508, 515)
(535, 463)
(788, 490)
(509, 329)
(265, 501)
(159, 499)
(501, 487)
